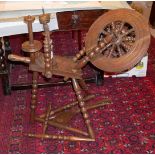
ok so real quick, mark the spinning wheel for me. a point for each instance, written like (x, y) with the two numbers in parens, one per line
(130, 39)
(114, 43)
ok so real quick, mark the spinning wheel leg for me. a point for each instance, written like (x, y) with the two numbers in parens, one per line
(34, 96)
(46, 118)
(82, 107)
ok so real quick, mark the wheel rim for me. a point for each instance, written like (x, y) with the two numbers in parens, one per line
(130, 40)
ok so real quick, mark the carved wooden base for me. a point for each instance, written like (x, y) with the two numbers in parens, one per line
(62, 119)
(62, 116)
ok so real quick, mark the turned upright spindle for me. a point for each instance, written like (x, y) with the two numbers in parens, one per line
(32, 46)
(45, 19)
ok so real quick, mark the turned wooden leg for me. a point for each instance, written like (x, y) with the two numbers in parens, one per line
(34, 96)
(80, 98)
(47, 118)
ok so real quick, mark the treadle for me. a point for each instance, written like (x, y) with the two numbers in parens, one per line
(67, 106)
(61, 118)
(65, 116)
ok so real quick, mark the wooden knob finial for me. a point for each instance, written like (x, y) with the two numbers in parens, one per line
(44, 18)
(29, 19)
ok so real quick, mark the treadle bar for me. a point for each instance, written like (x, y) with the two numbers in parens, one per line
(77, 110)
(65, 107)
(47, 118)
(24, 86)
(65, 116)
(60, 137)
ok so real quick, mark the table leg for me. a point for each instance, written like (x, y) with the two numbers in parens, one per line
(99, 77)
(4, 65)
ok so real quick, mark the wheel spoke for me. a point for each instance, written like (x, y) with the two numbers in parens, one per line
(129, 39)
(113, 25)
(128, 32)
(119, 50)
(126, 46)
(105, 32)
(108, 29)
(121, 26)
(111, 50)
(100, 37)
(106, 47)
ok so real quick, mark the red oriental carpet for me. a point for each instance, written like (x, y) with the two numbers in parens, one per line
(127, 125)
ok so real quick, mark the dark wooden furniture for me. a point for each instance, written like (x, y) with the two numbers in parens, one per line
(78, 20)
(5, 64)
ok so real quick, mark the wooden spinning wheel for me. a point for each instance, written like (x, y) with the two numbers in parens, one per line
(130, 39)
(114, 43)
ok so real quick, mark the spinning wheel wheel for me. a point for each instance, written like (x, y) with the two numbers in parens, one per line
(115, 42)
(130, 39)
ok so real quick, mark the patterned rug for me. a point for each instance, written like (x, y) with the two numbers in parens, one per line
(127, 125)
